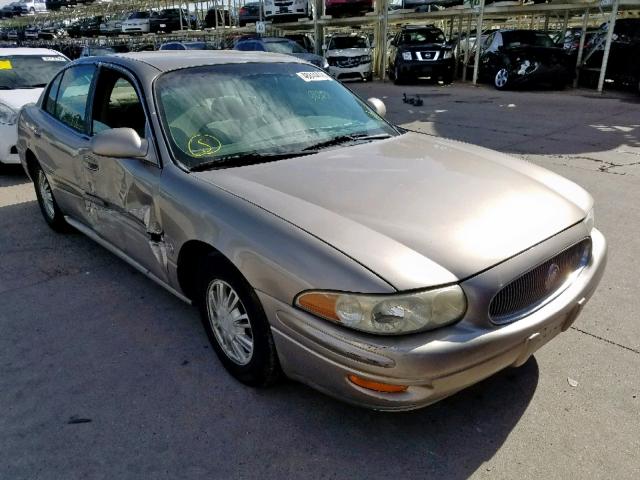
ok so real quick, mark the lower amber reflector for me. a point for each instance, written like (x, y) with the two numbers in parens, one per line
(377, 386)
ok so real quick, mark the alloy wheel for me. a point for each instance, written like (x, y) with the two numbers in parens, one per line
(46, 195)
(230, 322)
(502, 77)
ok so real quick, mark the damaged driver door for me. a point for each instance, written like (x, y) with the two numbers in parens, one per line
(120, 193)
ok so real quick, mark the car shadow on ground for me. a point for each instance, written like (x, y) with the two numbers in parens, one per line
(114, 364)
(11, 175)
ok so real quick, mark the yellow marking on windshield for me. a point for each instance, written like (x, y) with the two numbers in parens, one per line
(6, 65)
(203, 145)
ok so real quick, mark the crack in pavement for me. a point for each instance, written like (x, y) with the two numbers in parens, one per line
(631, 349)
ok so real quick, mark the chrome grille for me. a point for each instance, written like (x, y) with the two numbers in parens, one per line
(533, 288)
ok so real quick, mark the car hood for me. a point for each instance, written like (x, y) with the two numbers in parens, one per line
(416, 210)
(348, 52)
(310, 57)
(17, 99)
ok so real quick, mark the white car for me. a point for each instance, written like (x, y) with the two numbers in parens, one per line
(137, 22)
(24, 72)
(111, 26)
(32, 6)
(349, 57)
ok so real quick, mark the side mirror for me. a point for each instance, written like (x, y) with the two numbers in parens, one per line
(378, 105)
(119, 143)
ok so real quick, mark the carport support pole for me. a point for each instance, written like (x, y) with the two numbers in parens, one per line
(465, 63)
(476, 62)
(607, 45)
(585, 22)
(318, 31)
(380, 37)
(455, 68)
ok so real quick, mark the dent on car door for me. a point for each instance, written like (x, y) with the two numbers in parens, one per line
(121, 192)
(63, 136)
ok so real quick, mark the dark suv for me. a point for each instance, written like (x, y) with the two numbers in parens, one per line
(420, 52)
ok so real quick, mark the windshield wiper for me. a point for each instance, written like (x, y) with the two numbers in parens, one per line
(245, 159)
(339, 140)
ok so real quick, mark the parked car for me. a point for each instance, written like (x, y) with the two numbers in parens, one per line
(58, 4)
(623, 67)
(510, 58)
(99, 51)
(349, 57)
(111, 25)
(249, 13)
(289, 241)
(24, 72)
(9, 10)
(170, 20)
(280, 45)
(52, 31)
(221, 15)
(90, 27)
(338, 8)
(31, 7)
(420, 52)
(183, 46)
(137, 22)
(31, 32)
(276, 9)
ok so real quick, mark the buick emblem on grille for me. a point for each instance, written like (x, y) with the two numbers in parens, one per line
(552, 276)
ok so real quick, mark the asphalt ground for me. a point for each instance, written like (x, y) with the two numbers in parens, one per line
(104, 375)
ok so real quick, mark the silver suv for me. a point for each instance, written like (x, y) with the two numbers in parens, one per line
(32, 6)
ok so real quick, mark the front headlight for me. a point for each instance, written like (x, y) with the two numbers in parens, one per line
(447, 54)
(365, 59)
(8, 116)
(388, 314)
(406, 55)
(325, 64)
(590, 220)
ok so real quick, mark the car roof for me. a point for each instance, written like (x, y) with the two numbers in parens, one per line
(28, 51)
(168, 60)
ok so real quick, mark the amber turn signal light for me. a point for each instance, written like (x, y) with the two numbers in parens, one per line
(377, 386)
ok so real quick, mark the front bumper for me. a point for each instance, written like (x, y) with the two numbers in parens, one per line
(426, 68)
(542, 74)
(8, 139)
(433, 364)
(362, 72)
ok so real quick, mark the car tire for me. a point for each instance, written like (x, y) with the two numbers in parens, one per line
(447, 78)
(46, 201)
(501, 79)
(240, 336)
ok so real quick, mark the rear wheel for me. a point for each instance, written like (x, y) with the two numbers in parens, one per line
(501, 79)
(236, 324)
(48, 205)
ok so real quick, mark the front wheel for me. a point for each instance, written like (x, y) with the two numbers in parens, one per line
(236, 324)
(501, 80)
(48, 205)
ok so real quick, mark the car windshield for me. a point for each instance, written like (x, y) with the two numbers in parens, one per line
(212, 114)
(283, 47)
(526, 38)
(338, 43)
(416, 37)
(28, 71)
(136, 15)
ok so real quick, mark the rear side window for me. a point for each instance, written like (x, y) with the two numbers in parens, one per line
(73, 95)
(52, 96)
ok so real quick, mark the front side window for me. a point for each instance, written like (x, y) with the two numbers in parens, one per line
(52, 96)
(214, 113)
(71, 105)
(29, 71)
(117, 104)
(283, 47)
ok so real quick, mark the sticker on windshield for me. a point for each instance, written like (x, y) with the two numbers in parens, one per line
(203, 146)
(6, 65)
(313, 76)
(53, 59)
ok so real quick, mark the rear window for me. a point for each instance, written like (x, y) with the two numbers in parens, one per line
(29, 71)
